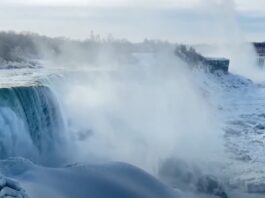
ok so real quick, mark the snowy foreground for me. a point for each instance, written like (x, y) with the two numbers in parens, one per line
(113, 179)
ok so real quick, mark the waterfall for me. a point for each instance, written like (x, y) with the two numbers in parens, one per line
(31, 124)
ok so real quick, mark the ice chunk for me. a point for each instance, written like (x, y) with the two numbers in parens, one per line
(11, 188)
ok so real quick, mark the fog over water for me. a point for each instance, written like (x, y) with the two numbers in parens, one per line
(131, 99)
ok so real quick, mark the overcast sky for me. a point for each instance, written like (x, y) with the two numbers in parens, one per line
(175, 20)
(240, 4)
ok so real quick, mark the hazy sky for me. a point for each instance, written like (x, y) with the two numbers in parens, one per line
(175, 20)
(240, 4)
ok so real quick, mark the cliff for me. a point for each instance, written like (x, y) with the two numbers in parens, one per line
(196, 60)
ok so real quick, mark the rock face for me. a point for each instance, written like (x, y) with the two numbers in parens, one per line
(194, 59)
